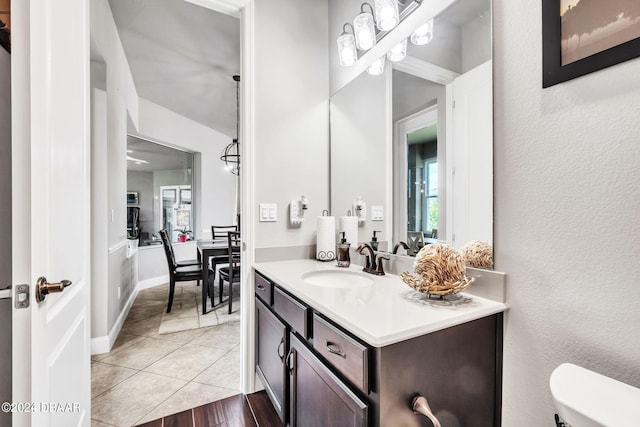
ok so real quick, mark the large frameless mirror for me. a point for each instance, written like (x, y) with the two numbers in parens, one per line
(416, 142)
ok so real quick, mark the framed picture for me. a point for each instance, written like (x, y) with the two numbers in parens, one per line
(183, 217)
(583, 36)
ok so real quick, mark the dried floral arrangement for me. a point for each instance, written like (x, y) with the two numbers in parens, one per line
(478, 254)
(439, 270)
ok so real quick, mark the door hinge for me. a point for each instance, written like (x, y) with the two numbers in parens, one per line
(22, 296)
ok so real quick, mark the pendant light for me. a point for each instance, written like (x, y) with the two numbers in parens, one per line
(347, 47)
(231, 153)
(363, 27)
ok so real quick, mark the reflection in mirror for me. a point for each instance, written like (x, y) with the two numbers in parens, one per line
(159, 192)
(417, 140)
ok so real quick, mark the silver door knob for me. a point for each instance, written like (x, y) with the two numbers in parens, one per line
(44, 288)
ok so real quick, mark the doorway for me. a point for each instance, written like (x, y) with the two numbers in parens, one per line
(416, 172)
(158, 100)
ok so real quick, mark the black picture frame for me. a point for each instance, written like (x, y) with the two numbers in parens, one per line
(553, 72)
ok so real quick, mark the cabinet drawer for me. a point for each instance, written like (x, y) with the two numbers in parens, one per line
(264, 289)
(346, 354)
(293, 312)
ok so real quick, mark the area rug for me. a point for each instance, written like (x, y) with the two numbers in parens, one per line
(186, 311)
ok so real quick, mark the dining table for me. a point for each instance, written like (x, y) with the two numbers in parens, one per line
(208, 248)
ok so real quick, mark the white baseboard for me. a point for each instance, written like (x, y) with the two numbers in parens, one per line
(100, 345)
(154, 281)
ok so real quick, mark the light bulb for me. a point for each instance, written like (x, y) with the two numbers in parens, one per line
(387, 15)
(347, 50)
(364, 30)
(423, 34)
(398, 52)
(377, 67)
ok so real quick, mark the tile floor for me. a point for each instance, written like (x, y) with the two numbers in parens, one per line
(148, 375)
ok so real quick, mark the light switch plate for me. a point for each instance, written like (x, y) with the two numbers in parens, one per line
(377, 213)
(268, 212)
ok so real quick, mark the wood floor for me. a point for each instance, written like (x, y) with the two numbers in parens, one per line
(253, 410)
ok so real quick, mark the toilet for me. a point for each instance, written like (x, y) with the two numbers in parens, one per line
(584, 398)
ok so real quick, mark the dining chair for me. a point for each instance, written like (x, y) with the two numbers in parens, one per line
(164, 235)
(220, 232)
(177, 272)
(231, 273)
(415, 239)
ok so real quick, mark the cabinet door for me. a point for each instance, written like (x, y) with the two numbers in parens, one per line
(318, 397)
(271, 348)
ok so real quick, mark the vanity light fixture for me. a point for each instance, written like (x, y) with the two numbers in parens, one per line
(377, 67)
(347, 47)
(398, 52)
(364, 29)
(387, 14)
(231, 153)
(423, 34)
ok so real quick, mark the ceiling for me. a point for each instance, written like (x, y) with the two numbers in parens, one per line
(182, 57)
(157, 157)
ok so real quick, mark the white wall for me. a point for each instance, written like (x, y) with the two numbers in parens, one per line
(114, 103)
(567, 229)
(476, 42)
(99, 208)
(360, 150)
(412, 94)
(291, 115)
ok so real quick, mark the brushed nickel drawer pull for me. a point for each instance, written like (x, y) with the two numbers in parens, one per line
(333, 348)
(260, 287)
(281, 346)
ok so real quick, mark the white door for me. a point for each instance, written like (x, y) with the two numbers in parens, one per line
(472, 156)
(51, 229)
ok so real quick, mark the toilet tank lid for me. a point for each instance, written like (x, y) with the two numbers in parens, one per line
(601, 399)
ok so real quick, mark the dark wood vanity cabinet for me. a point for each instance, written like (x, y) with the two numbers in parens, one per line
(271, 348)
(331, 378)
(303, 390)
(318, 397)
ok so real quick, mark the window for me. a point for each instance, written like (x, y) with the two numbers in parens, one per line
(162, 177)
(422, 184)
(430, 197)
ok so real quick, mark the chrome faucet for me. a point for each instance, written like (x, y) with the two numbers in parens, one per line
(373, 263)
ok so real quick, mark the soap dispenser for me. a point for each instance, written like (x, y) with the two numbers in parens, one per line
(343, 251)
(374, 240)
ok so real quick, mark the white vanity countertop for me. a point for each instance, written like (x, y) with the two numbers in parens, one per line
(384, 313)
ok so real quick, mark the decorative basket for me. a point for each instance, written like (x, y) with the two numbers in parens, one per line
(439, 270)
(478, 254)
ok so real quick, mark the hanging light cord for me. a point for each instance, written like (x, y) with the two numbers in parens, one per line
(230, 158)
(237, 79)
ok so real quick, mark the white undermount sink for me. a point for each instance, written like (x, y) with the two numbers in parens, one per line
(337, 279)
